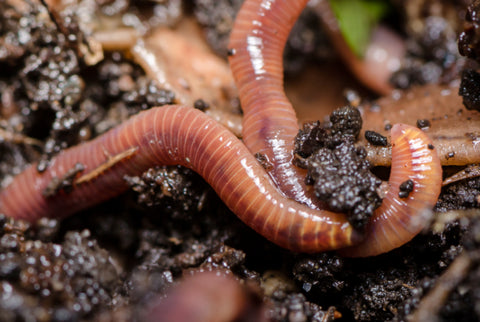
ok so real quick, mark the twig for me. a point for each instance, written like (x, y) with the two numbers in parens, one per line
(431, 304)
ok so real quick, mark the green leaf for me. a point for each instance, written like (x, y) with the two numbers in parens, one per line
(357, 18)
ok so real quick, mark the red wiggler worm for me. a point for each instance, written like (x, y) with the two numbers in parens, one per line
(188, 137)
(399, 219)
(270, 124)
(184, 136)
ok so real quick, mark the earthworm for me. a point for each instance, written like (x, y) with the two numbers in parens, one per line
(209, 296)
(255, 54)
(270, 123)
(398, 219)
(185, 136)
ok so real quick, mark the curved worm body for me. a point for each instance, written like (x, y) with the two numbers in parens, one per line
(184, 136)
(270, 123)
(270, 126)
(210, 296)
(398, 220)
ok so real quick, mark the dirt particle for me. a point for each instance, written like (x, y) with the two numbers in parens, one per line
(263, 160)
(376, 138)
(341, 178)
(337, 169)
(346, 121)
(469, 39)
(201, 105)
(470, 89)
(405, 188)
(423, 124)
(64, 183)
(177, 189)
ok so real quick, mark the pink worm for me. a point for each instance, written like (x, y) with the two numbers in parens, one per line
(185, 136)
(270, 124)
(180, 135)
(188, 137)
(209, 296)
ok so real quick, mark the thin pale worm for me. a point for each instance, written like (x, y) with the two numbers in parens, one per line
(188, 137)
(382, 56)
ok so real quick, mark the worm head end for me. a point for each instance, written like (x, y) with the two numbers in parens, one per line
(399, 129)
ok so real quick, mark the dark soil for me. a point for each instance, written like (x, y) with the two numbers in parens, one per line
(111, 261)
(337, 169)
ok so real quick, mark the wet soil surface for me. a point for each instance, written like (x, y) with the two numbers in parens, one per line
(119, 259)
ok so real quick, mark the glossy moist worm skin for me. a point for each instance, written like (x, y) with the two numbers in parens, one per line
(270, 123)
(180, 135)
(398, 220)
(185, 136)
(270, 126)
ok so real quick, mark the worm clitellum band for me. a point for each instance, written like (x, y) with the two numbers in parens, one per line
(185, 136)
